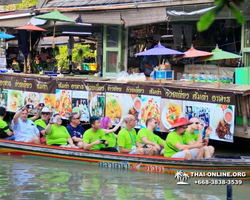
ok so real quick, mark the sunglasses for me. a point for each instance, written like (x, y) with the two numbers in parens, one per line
(184, 127)
(77, 118)
(43, 113)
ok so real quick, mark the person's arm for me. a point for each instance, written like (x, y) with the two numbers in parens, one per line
(70, 141)
(182, 147)
(9, 133)
(146, 141)
(48, 127)
(148, 66)
(87, 146)
(18, 114)
(207, 134)
(41, 130)
(76, 139)
(107, 131)
(123, 150)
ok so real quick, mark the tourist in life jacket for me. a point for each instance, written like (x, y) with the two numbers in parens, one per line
(176, 147)
(127, 137)
(75, 129)
(193, 137)
(57, 134)
(94, 138)
(24, 129)
(106, 125)
(5, 132)
(146, 137)
(41, 123)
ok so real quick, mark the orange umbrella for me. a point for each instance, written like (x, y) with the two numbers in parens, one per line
(30, 27)
(193, 53)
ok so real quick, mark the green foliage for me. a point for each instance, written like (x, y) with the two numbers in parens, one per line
(207, 19)
(79, 52)
(23, 5)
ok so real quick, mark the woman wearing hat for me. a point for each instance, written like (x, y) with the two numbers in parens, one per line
(175, 143)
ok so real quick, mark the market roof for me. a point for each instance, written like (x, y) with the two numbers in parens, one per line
(81, 3)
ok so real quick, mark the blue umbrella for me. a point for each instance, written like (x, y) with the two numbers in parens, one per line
(159, 50)
(5, 36)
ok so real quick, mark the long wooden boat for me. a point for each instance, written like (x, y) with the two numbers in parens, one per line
(214, 167)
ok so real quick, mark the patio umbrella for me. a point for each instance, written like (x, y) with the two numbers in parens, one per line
(30, 27)
(54, 15)
(193, 53)
(5, 36)
(219, 54)
(159, 50)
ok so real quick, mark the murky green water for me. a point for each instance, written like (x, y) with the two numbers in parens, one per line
(35, 179)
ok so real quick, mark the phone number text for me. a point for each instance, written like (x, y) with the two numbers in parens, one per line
(218, 182)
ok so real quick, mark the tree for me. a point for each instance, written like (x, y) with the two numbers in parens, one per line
(23, 5)
(79, 52)
(207, 19)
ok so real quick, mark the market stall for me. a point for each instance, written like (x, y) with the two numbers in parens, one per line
(217, 107)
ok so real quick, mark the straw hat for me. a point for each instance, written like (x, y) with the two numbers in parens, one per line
(181, 122)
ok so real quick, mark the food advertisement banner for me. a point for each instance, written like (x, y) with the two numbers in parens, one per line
(119, 105)
(63, 104)
(220, 117)
(150, 109)
(80, 104)
(97, 104)
(115, 100)
(199, 95)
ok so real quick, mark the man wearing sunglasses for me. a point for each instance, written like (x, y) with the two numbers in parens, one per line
(192, 137)
(147, 139)
(75, 129)
(176, 146)
(41, 123)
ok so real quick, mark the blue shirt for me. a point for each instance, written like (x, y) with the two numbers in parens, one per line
(75, 132)
(24, 130)
(152, 61)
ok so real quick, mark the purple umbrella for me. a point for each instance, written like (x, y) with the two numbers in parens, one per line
(159, 50)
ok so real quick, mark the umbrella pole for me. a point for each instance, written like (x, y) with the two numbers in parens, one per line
(193, 70)
(53, 44)
(159, 70)
(218, 76)
(30, 41)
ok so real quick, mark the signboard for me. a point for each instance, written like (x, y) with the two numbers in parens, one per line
(165, 104)
(7, 2)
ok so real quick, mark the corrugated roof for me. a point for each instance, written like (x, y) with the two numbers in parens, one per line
(78, 3)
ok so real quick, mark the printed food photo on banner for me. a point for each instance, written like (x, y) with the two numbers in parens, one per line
(31, 98)
(132, 104)
(219, 117)
(15, 100)
(63, 103)
(3, 97)
(80, 104)
(114, 107)
(171, 110)
(96, 104)
(150, 109)
(222, 121)
(48, 100)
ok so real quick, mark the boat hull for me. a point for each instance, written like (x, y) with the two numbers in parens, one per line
(128, 162)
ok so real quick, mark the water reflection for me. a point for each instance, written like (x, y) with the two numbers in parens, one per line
(23, 178)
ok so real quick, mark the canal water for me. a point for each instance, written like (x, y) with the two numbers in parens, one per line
(26, 178)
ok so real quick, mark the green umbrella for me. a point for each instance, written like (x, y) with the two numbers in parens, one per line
(219, 54)
(54, 15)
